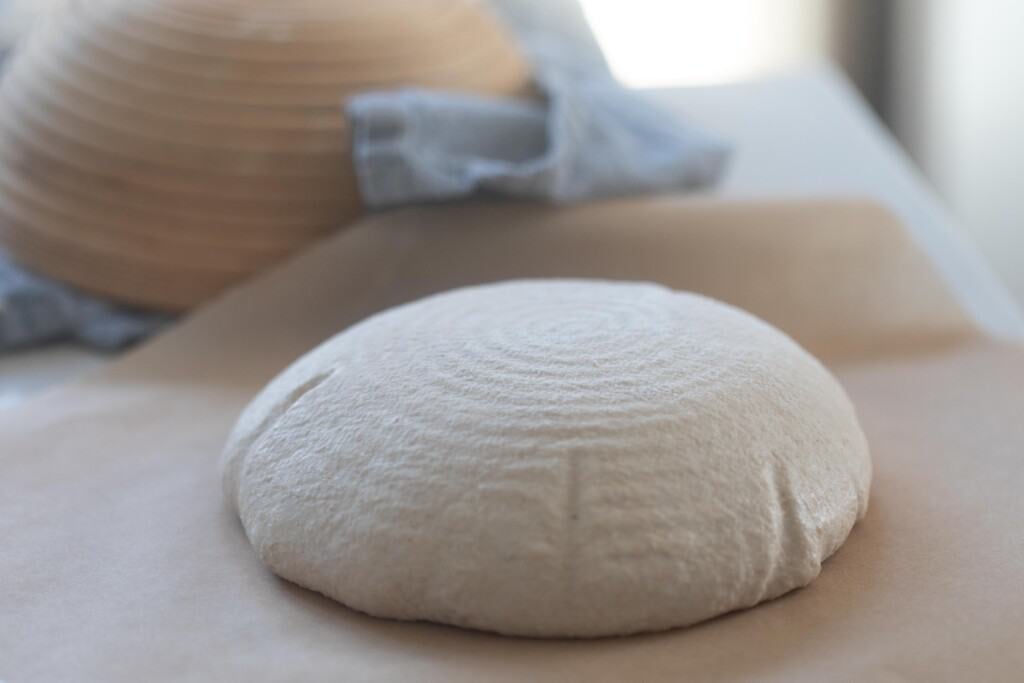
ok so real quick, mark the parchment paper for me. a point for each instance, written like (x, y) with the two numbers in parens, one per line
(121, 562)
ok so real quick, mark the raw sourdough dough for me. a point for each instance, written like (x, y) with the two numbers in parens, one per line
(551, 458)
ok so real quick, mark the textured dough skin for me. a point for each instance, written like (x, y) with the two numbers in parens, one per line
(551, 458)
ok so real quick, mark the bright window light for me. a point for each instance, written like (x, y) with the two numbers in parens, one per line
(651, 43)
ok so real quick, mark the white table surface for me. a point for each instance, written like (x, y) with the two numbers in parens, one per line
(801, 136)
(812, 135)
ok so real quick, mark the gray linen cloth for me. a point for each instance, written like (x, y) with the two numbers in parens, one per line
(584, 137)
(35, 310)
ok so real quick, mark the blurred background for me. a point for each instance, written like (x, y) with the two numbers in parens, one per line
(945, 76)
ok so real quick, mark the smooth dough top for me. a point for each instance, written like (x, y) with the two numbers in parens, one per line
(551, 458)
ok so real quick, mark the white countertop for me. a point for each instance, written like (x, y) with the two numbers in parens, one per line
(801, 136)
(812, 135)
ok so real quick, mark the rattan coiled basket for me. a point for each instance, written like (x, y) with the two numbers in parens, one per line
(157, 151)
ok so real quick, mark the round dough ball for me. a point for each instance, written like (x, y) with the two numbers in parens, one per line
(551, 458)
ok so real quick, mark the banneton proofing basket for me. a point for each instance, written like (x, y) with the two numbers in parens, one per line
(157, 151)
